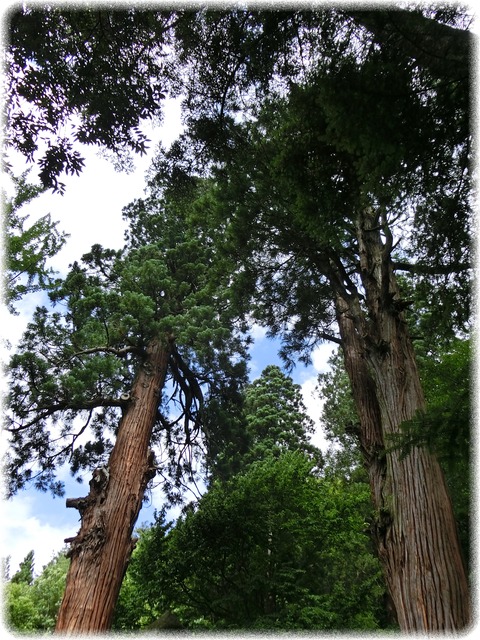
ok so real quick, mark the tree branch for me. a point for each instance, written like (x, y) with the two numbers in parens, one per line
(47, 412)
(443, 50)
(432, 270)
(121, 352)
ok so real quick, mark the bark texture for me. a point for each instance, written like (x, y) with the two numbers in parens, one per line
(102, 548)
(414, 529)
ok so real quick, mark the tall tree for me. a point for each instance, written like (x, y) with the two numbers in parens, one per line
(333, 189)
(319, 201)
(276, 417)
(25, 571)
(87, 385)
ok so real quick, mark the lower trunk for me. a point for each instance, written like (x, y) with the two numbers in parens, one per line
(101, 550)
(414, 528)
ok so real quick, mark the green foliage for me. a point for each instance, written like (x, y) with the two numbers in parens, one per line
(289, 164)
(444, 427)
(446, 379)
(274, 543)
(340, 420)
(142, 599)
(276, 417)
(25, 572)
(20, 610)
(274, 547)
(292, 174)
(77, 362)
(33, 605)
(27, 247)
(54, 55)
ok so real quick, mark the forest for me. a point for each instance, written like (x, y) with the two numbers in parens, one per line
(322, 189)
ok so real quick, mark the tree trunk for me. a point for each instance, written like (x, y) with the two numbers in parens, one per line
(414, 528)
(102, 548)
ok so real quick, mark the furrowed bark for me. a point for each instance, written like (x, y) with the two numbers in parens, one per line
(414, 529)
(102, 548)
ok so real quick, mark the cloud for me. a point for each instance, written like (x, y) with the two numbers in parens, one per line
(22, 531)
(257, 332)
(320, 356)
(314, 405)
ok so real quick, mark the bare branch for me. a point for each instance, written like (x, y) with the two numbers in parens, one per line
(119, 352)
(47, 412)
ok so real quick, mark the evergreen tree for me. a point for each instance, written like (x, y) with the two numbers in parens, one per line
(276, 417)
(144, 596)
(339, 420)
(443, 428)
(33, 606)
(244, 555)
(311, 198)
(27, 247)
(315, 200)
(24, 575)
(273, 547)
(97, 368)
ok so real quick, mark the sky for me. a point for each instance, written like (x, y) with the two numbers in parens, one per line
(90, 212)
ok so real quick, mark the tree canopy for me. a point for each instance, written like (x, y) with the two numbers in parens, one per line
(322, 188)
(78, 362)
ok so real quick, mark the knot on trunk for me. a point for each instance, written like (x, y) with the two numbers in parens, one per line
(92, 531)
(151, 470)
(91, 541)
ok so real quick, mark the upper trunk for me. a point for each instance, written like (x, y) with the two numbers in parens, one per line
(415, 530)
(101, 550)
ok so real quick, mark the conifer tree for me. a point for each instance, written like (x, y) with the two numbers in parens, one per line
(324, 206)
(87, 384)
(276, 417)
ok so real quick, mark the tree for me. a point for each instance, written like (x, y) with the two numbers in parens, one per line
(20, 609)
(27, 248)
(242, 558)
(317, 199)
(33, 606)
(339, 420)
(24, 574)
(134, 58)
(444, 428)
(128, 319)
(276, 417)
(54, 54)
(143, 596)
(313, 194)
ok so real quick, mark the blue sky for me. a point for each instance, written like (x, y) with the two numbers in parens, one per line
(90, 211)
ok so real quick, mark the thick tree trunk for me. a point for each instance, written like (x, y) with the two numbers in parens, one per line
(415, 530)
(102, 548)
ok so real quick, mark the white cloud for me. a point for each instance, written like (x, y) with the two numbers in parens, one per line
(320, 356)
(257, 332)
(314, 405)
(22, 531)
